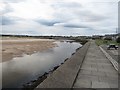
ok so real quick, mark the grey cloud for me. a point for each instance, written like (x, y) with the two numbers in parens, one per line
(14, 1)
(5, 20)
(75, 10)
(75, 26)
(97, 18)
(90, 16)
(7, 9)
(47, 22)
(66, 5)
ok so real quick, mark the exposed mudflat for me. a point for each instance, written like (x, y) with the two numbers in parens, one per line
(17, 47)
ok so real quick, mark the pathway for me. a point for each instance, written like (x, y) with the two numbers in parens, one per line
(96, 71)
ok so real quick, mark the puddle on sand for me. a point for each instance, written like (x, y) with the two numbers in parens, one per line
(21, 70)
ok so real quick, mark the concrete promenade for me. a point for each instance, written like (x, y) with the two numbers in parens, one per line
(96, 71)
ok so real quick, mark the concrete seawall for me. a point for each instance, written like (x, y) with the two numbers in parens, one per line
(66, 74)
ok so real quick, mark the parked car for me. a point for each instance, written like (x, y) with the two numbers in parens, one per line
(112, 46)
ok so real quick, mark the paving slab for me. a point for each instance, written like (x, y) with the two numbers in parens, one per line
(100, 85)
(85, 72)
(84, 83)
(88, 77)
(97, 73)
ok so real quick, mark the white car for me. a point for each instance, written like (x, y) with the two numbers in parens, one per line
(112, 46)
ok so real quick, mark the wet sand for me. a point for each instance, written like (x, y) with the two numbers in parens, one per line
(17, 47)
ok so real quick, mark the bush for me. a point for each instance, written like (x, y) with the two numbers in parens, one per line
(118, 39)
(108, 38)
(105, 41)
(82, 41)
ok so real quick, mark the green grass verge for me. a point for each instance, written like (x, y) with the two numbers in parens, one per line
(107, 42)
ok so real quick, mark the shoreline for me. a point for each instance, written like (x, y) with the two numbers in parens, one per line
(16, 48)
(34, 83)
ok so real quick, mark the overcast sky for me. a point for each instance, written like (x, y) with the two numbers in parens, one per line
(59, 17)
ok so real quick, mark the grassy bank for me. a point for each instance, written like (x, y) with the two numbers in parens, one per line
(82, 41)
(107, 42)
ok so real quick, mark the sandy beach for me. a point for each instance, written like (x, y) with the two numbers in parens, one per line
(17, 47)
